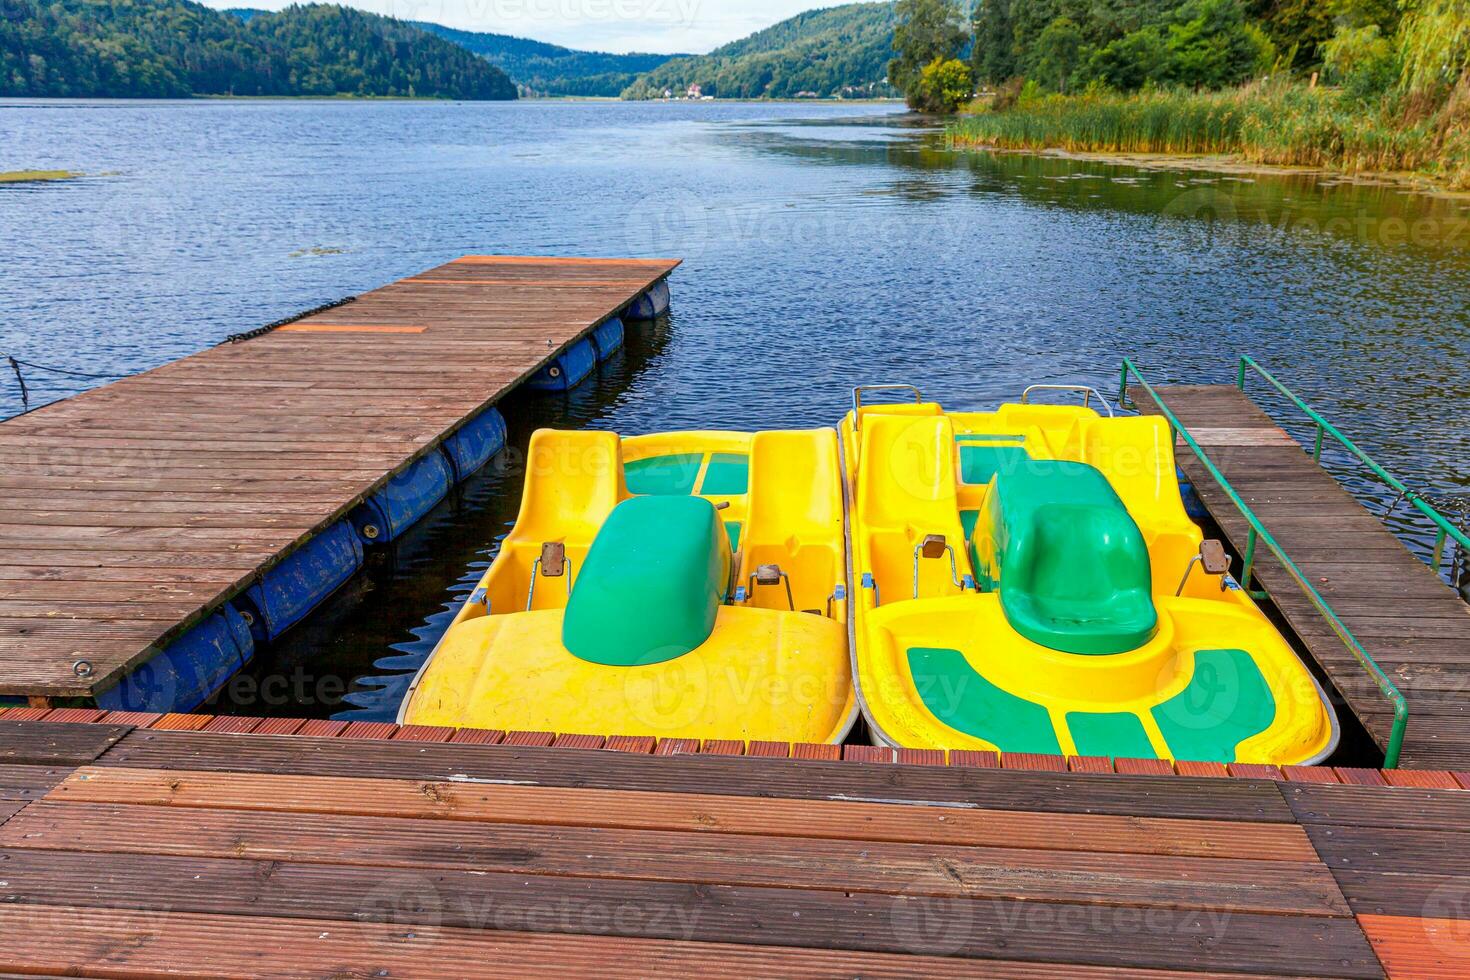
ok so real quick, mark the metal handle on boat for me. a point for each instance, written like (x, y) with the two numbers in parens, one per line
(857, 399)
(934, 546)
(771, 575)
(1087, 391)
(1214, 559)
(565, 572)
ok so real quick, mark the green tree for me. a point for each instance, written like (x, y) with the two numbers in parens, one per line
(944, 85)
(927, 29)
(1058, 53)
(993, 56)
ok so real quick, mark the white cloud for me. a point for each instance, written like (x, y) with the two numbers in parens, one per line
(664, 26)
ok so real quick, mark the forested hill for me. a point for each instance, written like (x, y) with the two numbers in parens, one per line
(175, 48)
(549, 69)
(840, 51)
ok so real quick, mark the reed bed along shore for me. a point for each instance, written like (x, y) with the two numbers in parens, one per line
(1277, 123)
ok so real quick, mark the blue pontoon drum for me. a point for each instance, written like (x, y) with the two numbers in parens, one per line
(288, 591)
(406, 498)
(653, 304)
(476, 442)
(188, 670)
(570, 368)
(607, 338)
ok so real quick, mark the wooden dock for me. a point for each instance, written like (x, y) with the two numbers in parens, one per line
(134, 509)
(1413, 625)
(136, 852)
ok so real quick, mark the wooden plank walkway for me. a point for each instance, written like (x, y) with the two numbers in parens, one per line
(294, 856)
(134, 509)
(1414, 626)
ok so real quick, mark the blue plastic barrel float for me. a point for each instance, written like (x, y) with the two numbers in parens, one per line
(476, 442)
(569, 369)
(652, 304)
(296, 586)
(189, 669)
(404, 499)
(607, 338)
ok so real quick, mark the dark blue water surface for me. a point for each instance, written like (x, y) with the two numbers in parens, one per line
(825, 246)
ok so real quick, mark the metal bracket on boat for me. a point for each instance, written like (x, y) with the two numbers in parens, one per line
(857, 399)
(934, 546)
(1212, 558)
(771, 575)
(869, 582)
(1087, 392)
(480, 597)
(838, 594)
(553, 563)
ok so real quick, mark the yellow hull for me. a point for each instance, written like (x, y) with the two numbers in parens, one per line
(965, 657)
(770, 669)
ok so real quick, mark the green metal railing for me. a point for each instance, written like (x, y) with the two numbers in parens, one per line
(1447, 530)
(1258, 533)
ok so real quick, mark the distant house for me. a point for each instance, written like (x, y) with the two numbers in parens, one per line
(695, 92)
(807, 95)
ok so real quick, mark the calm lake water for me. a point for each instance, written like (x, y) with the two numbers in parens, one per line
(826, 246)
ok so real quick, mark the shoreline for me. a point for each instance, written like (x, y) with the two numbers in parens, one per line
(1226, 163)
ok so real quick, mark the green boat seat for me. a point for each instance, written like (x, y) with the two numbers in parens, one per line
(651, 585)
(1072, 565)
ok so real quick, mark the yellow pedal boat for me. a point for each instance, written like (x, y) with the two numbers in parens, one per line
(679, 585)
(1027, 580)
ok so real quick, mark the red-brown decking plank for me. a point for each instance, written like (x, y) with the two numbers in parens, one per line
(141, 719)
(1089, 763)
(1405, 617)
(280, 726)
(423, 733)
(230, 723)
(478, 736)
(1254, 770)
(1420, 778)
(76, 715)
(974, 759)
(1309, 774)
(296, 402)
(640, 744)
(1240, 799)
(867, 753)
(541, 739)
(636, 809)
(1033, 761)
(578, 742)
(26, 714)
(1201, 769)
(1360, 777)
(322, 728)
(1143, 767)
(726, 746)
(770, 750)
(72, 941)
(677, 746)
(814, 751)
(1421, 948)
(368, 729)
(181, 722)
(1233, 885)
(920, 757)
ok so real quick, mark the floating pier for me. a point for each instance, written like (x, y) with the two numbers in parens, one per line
(1348, 588)
(156, 528)
(147, 852)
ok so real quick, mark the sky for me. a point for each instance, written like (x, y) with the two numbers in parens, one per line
(620, 26)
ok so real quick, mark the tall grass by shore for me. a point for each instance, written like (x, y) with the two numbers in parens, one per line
(1279, 123)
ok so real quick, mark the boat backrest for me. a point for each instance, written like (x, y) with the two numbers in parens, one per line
(905, 492)
(794, 518)
(573, 481)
